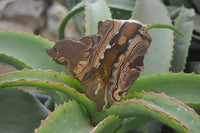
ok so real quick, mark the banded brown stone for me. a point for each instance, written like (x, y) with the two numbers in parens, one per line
(108, 63)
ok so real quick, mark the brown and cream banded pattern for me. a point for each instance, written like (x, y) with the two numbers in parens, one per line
(108, 63)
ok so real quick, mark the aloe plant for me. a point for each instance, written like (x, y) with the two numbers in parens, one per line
(158, 98)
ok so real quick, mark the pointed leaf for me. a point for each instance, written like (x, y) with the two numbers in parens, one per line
(50, 76)
(184, 87)
(55, 96)
(133, 123)
(159, 55)
(182, 43)
(108, 125)
(34, 78)
(29, 49)
(20, 112)
(18, 64)
(43, 75)
(69, 118)
(160, 107)
(178, 112)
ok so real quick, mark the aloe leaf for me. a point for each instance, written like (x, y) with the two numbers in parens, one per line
(20, 112)
(182, 43)
(49, 104)
(47, 75)
(19, 44)
(68, 118)
(132, 123)
(72, 93)
(55, 97)
(174, 12)
(184, 87)
(153, 97)
(95, 13)
(160, 107)
(34, 78)
(159, 55)
(76, 9)
(14, 61)
(108, 125)
(43, 75)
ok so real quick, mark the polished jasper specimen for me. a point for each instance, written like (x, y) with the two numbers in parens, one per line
(108, 63)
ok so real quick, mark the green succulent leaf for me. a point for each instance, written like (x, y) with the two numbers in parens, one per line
(92, 8)
(160, 107)
(182, 43)
(184, 87)
(132, 124)
(55, 96)
(174, 13)
(14, 61)
(108, 125)
(168, 104)
(47, 75)
(20, 112)
(71, 118)
(50, 104)
(159, 54)
(68, 118)
(49, 81)
(29, 49)
(43, 75)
